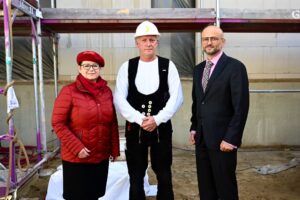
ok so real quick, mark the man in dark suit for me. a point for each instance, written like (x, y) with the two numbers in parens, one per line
(219, 112)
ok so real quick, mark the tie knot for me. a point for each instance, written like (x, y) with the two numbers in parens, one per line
(209, 64)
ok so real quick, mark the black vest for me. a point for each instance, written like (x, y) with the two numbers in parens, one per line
(149, 104)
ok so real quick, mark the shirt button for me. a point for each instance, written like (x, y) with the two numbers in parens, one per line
(202, 103)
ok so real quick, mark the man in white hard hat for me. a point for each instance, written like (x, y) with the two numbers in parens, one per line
(148, 93)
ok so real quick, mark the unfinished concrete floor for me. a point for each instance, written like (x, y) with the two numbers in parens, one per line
(252, 186)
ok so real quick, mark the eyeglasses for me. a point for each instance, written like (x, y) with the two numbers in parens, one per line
(211, 39)
(88, 66)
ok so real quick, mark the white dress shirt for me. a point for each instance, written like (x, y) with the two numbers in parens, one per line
(147, 82)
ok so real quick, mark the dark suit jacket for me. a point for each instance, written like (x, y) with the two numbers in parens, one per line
(221, 112)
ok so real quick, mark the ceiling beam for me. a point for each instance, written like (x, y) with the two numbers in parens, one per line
(61, 20)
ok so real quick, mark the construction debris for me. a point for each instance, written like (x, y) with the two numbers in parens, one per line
(273, 169)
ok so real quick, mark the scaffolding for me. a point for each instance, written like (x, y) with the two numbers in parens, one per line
(62, 20)
(34, 15)
(37, 22)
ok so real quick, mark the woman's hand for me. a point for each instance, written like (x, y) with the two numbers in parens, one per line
(84, 153)
(113, 159)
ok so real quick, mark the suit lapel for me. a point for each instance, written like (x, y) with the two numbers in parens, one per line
(217, 71)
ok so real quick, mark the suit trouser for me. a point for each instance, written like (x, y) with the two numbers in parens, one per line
(216, 173)
(137, 163)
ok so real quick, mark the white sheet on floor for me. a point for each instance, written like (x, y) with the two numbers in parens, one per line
(117, 187)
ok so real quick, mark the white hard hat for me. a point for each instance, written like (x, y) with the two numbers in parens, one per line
(146, 28)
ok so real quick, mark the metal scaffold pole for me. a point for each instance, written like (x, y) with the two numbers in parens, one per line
(54, 49)
(55, 69)
(198, 38)
(43, 138)
(36, 94)
(218, 13)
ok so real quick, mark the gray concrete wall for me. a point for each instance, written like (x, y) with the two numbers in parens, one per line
(273, 118)
(272, 61)
(271, 56)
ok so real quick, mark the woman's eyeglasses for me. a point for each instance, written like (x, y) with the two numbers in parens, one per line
(88, 66)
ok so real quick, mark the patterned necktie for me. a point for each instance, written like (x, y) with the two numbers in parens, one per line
(206, 73)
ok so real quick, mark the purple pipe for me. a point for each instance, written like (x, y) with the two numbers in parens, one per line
(8, 73)
(6, 26)
(39, 144)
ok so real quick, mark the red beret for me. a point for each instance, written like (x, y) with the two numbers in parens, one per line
(90, 56)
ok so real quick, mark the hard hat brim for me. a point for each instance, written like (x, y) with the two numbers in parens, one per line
(139, 35)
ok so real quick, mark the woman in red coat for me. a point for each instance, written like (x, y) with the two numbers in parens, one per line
(85, 122)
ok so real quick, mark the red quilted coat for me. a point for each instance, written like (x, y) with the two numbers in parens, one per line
(82, 120)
